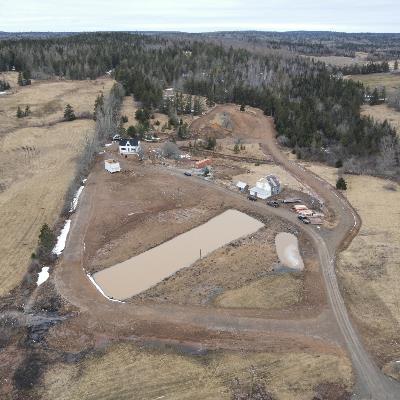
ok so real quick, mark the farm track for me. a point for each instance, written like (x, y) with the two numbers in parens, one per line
(73, 285)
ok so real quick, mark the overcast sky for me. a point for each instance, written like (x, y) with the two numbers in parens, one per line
(200, 15)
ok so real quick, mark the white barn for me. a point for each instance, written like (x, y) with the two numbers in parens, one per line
(129, 146)
(262, 190)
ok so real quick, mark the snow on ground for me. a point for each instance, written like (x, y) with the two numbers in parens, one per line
(62, 238)
(101, 290)
(43, 276)
(108, 144)
(74, 202)
(3, 93)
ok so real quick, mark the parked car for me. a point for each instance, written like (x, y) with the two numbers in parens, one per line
(251, 197)
(187, 173)
(304, 219)
(273, 203)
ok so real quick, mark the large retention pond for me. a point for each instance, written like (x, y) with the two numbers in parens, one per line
(139, 273)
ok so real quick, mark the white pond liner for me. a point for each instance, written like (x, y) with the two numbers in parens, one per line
(62, 238)
(287, 247)
(101, 290)
(43, 275)
(74, 202)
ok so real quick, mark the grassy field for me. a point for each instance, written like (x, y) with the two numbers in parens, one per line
(275, 291)
(37, 164)
(390, 81)
(368, 269)
(341, 61)
(127, 372)
(383, 112)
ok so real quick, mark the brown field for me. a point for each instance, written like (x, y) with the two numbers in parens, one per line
(383, 112)
(274, 291)
(126, 372)
(341, 61)
(390, 81)
(37, 164)
(368, 269)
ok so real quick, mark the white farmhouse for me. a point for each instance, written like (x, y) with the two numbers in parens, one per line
(129, 146)
(262, 190)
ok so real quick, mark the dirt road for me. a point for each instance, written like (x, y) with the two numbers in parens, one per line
(122, 319)
(372, 383)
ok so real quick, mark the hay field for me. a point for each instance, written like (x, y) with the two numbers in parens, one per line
(390, 81)
(128, 372)
(271, 292)
(47, 100)
(37, 165)
(369, 269)
(383, 112)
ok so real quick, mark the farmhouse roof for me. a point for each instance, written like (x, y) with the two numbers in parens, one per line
(129, 142)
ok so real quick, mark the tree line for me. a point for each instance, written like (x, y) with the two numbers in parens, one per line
(316, 111)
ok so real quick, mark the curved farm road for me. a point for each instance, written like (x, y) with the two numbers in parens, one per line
(98, 312)
(372, 383)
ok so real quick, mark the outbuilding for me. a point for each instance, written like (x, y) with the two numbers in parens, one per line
(112, 166)
(242, 186)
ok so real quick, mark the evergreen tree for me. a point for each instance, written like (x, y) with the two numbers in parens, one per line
(69, 114)
(236, 149)
(20, 79)
(396, 65)
(47, 240)
(197, 106)
(243, 107)
(27, 111)
(341, 184)
(211, 143)
(142, 115)
(375, 98)
(131, 131)
(20, 114)
(98, 106)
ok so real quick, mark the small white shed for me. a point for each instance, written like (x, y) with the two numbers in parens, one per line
(112, 166)
(242, 186)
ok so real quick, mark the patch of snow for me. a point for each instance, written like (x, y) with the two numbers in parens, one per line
(84, 180)
(101, 290)
(43, 276)
(3, 93)
(108, 144)
(101, 152)
(62, 238)
(74, 202)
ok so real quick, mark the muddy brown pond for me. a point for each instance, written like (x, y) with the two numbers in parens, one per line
(139, 273)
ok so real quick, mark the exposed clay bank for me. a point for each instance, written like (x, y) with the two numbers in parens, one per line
(139, 273)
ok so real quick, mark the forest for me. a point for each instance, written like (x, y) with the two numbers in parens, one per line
(316, 112)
